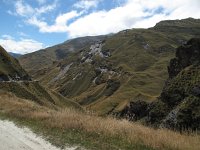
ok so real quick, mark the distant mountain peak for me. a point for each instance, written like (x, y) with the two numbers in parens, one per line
(16, 55)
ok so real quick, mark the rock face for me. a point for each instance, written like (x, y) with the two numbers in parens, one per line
(178, 106)
(186, 55)
(181, 95)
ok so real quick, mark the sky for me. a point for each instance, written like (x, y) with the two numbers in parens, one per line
(29, 25)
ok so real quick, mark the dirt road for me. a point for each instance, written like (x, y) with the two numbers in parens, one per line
(15, 138)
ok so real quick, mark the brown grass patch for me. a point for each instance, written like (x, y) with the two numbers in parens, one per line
(72, 119)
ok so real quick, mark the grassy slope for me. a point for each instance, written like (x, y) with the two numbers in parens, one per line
(31, 90)
(9, 65)
(141, 71)
(42, 59)
(68, 126)
(35, 92)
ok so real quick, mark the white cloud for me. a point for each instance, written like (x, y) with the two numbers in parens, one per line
(86, 4)
(46, 8)
(130, 14)
(104, 22)
(25, 10)
(21, 46)
(6, 36)
(60, 22)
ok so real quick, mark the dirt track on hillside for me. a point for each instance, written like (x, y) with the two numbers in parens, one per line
(15, 138)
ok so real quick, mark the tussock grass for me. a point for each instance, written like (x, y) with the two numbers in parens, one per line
(69, 119)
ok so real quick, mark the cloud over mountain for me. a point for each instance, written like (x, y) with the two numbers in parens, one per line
(21, 46)
(131, 14)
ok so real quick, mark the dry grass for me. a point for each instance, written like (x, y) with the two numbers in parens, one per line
(72, 119)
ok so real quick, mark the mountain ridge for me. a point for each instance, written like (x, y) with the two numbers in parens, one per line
(129, 65)
(46, 57)
(14, 79)
(16, 55)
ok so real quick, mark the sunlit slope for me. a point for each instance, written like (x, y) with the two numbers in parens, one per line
(15, 80)
(127, 66)
(10, 67)
(46, 57)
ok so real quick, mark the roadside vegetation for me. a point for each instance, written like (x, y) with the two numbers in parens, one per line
(78, 128)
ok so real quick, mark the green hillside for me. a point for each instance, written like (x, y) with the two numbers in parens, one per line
(180, 97)
(10, 68)
(33, 91)
(178, 106)
(45, 58)
(15, 80)
(128, 66)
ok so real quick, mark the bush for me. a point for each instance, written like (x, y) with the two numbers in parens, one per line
(111, 87)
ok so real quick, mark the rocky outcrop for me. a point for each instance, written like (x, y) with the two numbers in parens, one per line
(181, 93)
(178, 106)
(186, 55)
